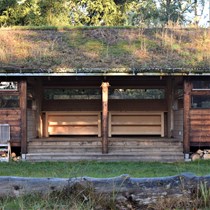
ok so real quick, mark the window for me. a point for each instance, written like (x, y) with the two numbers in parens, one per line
(136, 93)
(11, 101)
(201, 85)
(201, 101)
(70, 93)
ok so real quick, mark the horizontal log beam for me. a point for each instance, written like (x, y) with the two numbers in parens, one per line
(141, 191)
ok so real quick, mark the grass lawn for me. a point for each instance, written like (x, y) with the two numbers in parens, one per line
(102, 169)
(74, 201)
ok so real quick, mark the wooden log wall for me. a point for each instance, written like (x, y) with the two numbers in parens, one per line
(196, 120)
(13, 118)
(199, 126)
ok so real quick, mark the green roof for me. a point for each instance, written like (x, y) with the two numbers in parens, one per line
(104, 50)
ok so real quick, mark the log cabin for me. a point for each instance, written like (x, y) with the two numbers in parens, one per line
(105, 94)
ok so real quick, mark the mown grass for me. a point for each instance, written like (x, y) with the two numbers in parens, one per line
(102, 169)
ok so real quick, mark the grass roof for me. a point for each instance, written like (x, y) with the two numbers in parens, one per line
(60, 50)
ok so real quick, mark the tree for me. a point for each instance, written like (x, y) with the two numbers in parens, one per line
(54, 12)
(177, 11)
(143, 13)
(96, 12)
(34, 12)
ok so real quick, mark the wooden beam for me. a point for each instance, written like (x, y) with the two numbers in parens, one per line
(170, 101)
(105, 88)
(23, 108)
(187, 105)
(200, 92)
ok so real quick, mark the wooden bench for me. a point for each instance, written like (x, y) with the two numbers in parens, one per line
(72, 123)
(136, 123)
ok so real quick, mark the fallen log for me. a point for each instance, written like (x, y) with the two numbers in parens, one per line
(141, 191)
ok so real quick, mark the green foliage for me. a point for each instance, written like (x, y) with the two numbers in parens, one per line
(97, 13)
(54, 12)
(35, 12)
(175, 11)
(147, 13)
(143, 13)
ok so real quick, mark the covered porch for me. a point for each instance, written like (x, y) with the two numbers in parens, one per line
(115, 117)
(76, 118)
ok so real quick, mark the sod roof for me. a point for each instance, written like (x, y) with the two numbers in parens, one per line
(102, 50)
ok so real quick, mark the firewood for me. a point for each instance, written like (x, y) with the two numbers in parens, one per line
(206, 156)
(195, 156)
(206, 151)
(13, 155)
(200, 152)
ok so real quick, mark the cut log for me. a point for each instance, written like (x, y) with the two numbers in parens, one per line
(206, 156)
(141, 191)
(195, 156)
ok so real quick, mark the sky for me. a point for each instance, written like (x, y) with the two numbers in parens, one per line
(205, 17)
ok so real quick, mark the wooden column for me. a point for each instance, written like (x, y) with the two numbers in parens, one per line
(38, 89)
(187, 105)
(23, 108)
(105, 88)
(170, 102)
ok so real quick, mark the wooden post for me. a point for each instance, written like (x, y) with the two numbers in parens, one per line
(105, 87)
(187, 105)
(23, 108)
(38, 88)
(170, 101)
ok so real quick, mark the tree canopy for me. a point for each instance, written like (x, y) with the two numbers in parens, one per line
(99, 12)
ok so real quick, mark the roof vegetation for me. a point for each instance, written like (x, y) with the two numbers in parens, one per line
(60, 49)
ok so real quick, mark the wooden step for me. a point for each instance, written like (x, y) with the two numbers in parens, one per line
(90, 148)
(111, 149)
(102, 157)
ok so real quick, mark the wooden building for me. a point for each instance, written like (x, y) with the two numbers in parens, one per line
(103, 112)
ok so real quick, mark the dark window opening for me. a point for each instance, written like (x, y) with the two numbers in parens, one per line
(9, 101)
(201, 85)
(136, 93)
(70, 93)
(200, 102)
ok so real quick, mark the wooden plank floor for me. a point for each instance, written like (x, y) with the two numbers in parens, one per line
(90, 148)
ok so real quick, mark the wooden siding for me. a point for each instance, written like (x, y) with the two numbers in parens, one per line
(12, 117)
(178, 124)
(200, 125)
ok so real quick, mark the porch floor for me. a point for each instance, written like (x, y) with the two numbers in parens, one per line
(120, 149)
